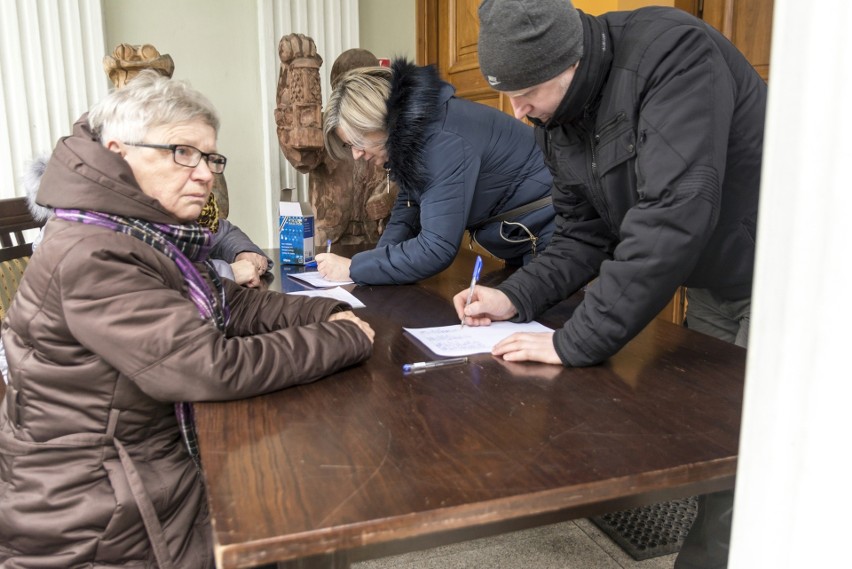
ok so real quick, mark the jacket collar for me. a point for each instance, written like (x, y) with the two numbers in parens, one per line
(414, 107)
(592, 73)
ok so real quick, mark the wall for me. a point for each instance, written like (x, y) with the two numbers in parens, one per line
(214, 44)
(384, 40)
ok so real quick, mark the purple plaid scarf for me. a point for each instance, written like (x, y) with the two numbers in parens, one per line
(184, 244)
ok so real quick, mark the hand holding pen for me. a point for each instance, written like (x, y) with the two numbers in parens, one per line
(480, 305)
(333, 267)
(477, 268)
(327, 250)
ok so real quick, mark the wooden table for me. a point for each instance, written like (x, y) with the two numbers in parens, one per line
(370, 462)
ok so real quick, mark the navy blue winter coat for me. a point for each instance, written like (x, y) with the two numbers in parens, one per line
(457, 163)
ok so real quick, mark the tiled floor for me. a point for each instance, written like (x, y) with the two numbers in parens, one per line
(568, 545)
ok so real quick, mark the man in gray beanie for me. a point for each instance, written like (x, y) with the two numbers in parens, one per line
(651, 123)
(540, 40)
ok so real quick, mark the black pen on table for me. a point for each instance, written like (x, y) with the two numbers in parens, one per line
(423, 366)
(477, 267)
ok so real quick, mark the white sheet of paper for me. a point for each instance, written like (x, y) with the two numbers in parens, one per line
(336, 293)
(457, 341)
(314, 279)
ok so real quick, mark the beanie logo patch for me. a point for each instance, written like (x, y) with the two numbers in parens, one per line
(493, 81)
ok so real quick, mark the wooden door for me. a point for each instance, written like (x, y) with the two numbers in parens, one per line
(747, 23)
(447, 37)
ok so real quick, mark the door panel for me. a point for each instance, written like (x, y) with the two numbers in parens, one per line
(455, 54)
(747, 23)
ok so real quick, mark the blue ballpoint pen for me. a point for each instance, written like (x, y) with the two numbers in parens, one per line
(476, 269)
(423, 366)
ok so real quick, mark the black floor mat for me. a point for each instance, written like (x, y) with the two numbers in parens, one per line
(650, 531)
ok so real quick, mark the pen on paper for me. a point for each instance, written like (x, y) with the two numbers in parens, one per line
(476, 269)
(423, 366)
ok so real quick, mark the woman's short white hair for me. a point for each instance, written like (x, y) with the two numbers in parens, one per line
(358, 106)
(147, 101)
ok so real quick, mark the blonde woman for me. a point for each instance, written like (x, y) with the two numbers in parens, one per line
(459, 166)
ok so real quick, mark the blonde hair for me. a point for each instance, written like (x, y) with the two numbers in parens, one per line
(149, 100)
(357, 106)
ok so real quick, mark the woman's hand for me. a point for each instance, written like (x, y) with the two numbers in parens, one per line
(486, 305)
(260, 262)
(246, 273)
(349, 315)
(333, 267)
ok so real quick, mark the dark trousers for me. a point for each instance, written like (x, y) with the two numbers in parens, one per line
(706, 545)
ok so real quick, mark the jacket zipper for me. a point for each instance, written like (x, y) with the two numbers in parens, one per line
(596, 193)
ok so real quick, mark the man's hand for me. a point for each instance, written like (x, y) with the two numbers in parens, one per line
(349, 315)
(487, 305)
(333, 267)
(527, 347)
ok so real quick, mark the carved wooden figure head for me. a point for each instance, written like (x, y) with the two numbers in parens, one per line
(298, 112)
(128, 60)
(349, 60)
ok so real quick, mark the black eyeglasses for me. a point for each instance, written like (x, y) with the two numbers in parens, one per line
(189, 156)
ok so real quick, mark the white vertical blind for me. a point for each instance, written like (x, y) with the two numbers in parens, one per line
(51, 71)
(333, 25)
(792, 498)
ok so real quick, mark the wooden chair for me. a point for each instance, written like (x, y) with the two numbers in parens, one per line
(15, 250)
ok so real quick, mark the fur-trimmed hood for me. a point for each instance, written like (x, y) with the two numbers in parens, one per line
(31, 181)
(413, 108)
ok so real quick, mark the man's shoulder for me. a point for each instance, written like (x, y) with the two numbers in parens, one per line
(650, 15)
(648, 22)
(650, 32)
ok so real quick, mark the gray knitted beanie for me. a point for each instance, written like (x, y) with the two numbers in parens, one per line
(527, 42)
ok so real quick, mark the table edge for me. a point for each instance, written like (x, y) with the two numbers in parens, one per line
(469, 521)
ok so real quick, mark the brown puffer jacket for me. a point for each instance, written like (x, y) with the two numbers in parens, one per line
(102, 339)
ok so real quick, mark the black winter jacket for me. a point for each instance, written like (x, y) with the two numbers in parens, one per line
(656, 155)
(457, 163)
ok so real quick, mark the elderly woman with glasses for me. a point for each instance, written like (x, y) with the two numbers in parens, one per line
(119, 325)
(459, 166)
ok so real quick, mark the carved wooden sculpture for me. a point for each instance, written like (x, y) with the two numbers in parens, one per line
(123, 65)
(128, 60)
(351, 200)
